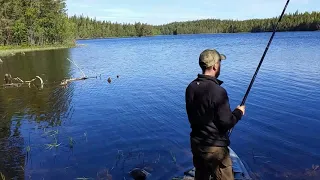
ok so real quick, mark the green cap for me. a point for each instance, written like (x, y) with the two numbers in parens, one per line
(209, 57)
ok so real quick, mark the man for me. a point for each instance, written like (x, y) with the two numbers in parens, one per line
(211, 118)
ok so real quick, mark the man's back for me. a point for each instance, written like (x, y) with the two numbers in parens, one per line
(210, 117)
(209, 112)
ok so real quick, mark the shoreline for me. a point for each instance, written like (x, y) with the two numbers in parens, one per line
(128, 37)
(13, 50)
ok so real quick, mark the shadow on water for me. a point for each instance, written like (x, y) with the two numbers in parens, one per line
(46, 107)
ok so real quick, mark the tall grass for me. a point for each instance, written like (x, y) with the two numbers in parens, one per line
(2, 176)
(12, 50)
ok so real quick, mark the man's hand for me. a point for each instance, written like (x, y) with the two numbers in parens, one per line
(242, 108)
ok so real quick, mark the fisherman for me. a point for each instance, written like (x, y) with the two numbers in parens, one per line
(210, 118)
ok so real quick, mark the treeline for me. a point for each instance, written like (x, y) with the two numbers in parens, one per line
(290, 22)
(34, 22)
(91, 28)
(45, 22)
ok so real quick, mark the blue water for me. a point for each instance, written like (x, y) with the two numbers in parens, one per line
(139, 120)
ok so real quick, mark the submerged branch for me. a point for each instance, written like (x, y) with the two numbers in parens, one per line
(18, 82)
(67, 81)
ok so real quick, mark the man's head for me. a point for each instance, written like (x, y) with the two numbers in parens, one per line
(210, 62)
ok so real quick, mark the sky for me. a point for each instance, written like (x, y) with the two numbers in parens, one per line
(158, 12)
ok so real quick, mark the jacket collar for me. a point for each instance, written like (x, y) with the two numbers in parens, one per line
(214, 79)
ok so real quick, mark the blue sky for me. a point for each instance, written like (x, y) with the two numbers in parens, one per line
(165, 11)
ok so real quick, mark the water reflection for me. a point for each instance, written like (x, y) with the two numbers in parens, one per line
(47, 107)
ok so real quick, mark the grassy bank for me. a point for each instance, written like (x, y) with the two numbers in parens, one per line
(12, 50)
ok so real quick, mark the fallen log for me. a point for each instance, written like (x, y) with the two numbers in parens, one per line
(67, 81)
(19, 82)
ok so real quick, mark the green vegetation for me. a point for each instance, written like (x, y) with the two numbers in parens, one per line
(12, 50)
(290, 22)
(71, 142)
(91, 28)
(29, 22)
(45, 23)
(2, 176)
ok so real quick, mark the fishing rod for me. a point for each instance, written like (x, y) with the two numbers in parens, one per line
(262, 58)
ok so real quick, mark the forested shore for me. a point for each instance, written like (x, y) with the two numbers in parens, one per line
(26, 23)
(91, 28)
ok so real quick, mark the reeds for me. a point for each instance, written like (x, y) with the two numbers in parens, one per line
(2, 176)
(71, 142)
(173, 156)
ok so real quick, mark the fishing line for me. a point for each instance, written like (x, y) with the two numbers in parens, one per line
(264, 54)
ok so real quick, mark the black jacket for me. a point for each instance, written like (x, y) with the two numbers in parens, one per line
(209, 112)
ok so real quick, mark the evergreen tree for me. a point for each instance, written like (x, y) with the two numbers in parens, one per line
(45, 22)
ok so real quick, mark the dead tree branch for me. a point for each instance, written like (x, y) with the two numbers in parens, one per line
(84, 75)
(20, 82)
(67, 81)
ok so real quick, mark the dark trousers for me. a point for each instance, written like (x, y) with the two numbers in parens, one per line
(212, 163)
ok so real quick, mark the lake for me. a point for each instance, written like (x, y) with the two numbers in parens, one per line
(95, 129)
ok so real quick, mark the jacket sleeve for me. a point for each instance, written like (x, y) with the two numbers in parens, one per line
(225, 118)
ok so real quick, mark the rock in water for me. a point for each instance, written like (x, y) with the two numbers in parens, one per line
(109, 80)
(139, 174)
(8, 78)
(117, 76)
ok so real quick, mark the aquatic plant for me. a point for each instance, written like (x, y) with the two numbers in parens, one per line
(2, 176)
(85, 135)
(28, 148)
(158, 159)
(312, 171)
(53, 145)
(51, 132)
(173, 157)
(83, 178)
(50, 146)
(315, 167)
(71, 142)
(119, 155)
(104, 174)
